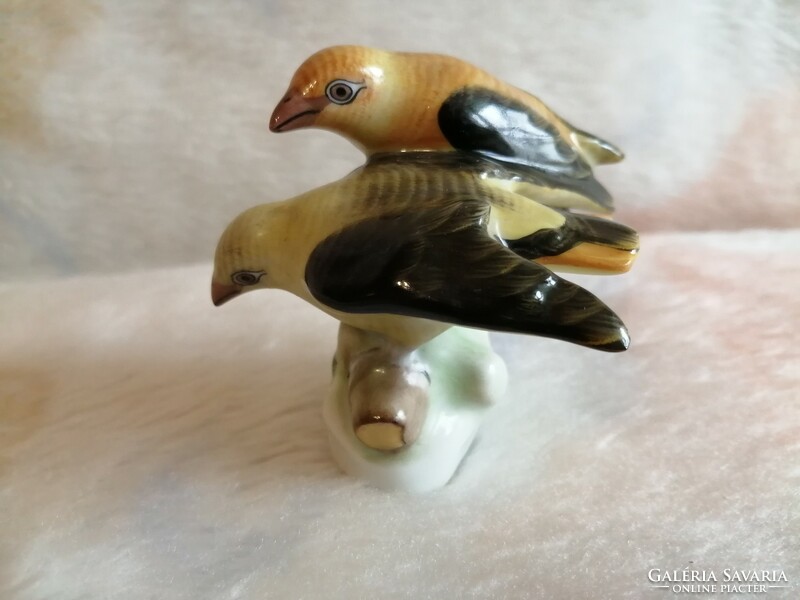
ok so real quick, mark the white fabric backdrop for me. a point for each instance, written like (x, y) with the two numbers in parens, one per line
(131, 132)
(152, 446)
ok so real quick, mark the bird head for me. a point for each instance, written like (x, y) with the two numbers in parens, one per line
(351, 90)
(249, 254)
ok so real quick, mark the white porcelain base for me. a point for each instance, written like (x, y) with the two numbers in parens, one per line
(467, 377)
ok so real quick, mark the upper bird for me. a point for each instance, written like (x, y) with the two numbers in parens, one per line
(399, 101)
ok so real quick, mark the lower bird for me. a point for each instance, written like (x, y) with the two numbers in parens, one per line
(407, 249)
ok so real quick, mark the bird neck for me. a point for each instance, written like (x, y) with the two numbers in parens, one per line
(297, 226)
(409, 102)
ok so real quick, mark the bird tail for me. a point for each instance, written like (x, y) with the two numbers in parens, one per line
(583, 244)
(576, 315)
(596, 150)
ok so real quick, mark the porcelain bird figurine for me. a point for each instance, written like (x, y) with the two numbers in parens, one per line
(405, 249)
(399, 101)
(469, 197)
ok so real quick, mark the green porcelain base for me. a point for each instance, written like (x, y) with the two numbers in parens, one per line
(466, 378)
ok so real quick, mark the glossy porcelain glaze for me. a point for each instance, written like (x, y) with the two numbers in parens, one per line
(466, 379)
(399, 102)
(466, 203)
(404, 249)
(388, 101)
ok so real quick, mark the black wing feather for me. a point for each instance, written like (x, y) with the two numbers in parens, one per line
(440, 263)
(481, 121)
(577, 229)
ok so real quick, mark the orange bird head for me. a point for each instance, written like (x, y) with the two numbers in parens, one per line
(340, 89)
(377, 99)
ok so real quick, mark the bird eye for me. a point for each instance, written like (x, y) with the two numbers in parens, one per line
(246, 277)
(341, 91)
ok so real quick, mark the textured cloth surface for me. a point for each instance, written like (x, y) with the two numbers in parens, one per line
(153, 446)
(131, 132)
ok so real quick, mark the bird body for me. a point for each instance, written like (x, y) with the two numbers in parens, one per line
(462, 206)
(406, 249)
(288, 232)
(411, 102)
(414, 85)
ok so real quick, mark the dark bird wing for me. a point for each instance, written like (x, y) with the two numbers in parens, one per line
(577, 229)
(482, 121)
(440, 263)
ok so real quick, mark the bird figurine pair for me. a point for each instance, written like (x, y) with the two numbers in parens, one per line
(473, 192)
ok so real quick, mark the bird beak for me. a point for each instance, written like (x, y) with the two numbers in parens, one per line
(221, 293)
(295, 111)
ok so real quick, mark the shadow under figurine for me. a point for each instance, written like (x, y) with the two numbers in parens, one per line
(400, 251)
